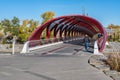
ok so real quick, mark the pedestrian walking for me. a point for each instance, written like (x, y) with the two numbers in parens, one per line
(99, 40)
(86, 41)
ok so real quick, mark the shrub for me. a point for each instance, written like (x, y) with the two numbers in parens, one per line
(4, 41)
(114, 61)
(10, 45)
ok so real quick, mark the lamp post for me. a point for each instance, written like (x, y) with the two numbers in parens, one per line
(13, 44)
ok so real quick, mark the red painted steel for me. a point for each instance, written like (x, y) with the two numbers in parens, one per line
(71, 26)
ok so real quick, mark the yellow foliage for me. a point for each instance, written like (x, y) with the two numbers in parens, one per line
(1, 34)
(47, 16)
(25, 22)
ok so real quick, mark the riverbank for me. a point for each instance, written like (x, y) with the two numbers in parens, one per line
(7, 48)
(99, 61)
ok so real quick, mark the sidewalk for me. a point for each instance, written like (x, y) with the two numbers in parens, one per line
(50, 67)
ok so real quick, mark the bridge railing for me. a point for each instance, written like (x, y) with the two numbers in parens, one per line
(36, 44)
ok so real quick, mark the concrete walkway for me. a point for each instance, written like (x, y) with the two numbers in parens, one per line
(57, 66)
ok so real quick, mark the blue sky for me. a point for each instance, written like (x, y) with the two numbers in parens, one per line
(105, 11)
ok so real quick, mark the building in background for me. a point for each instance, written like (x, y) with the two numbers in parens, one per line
(113, 31)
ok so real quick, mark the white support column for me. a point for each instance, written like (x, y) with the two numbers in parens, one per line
(25, 47)
(96, 51)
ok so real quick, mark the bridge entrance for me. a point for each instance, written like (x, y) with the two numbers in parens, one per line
(67, 28)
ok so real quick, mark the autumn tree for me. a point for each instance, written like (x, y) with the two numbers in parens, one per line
(1, 35)
(12, 28)
(32, 25)
(0, 26)
(11, 25)
(6, 24)
(15, 23)
(116, 32)
(27, 27)
(47, 16)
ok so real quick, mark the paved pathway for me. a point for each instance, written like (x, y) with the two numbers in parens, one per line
(60, 65)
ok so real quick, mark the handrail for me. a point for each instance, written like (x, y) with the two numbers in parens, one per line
(36, 44)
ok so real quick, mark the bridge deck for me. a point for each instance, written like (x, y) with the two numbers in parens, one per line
(60, 65)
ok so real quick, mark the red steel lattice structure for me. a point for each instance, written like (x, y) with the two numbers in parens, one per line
(71, 26)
